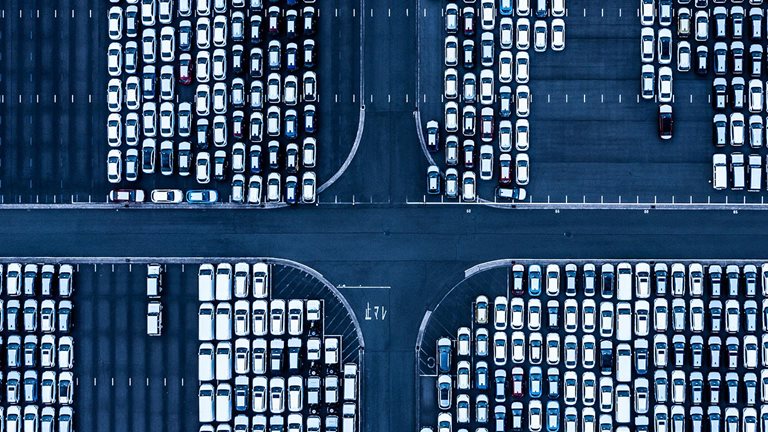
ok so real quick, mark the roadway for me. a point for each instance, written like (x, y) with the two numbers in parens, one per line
(399, 258)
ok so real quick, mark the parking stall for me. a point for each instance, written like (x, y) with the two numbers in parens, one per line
(213, 100)
(266, 361)
(38, 384)
(553, 345)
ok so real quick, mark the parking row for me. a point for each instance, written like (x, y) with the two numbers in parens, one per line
(622, 319)
(638, 357)
(737, 173)
(259, 356)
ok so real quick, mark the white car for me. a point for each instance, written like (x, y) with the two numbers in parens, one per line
(308, 187)
(505, 136)
(540, 36)
(683, 56)
(522, 67)
(114, 95)
(451, 117)
(523, 100)
(486, 87)
(132, 93)
(203, 66)
(114, 130)
(505, 66)
(115, 23)
(451, 84)
(203, 167)
(486, 162)
(521, 169)
(755, 96)
(488, 14)
(523, 7)
(738, 129)
(469, 186)
(506, 30)
(114, 166)
(523, 33)
(115, 59)
(451, 51)
(167, 44)
(522, 134)
(647, 44)
(557, 8)
(647, 12)
(665, 84)
(149, 45)
(702, 26)
(219, 30)
(558, 34)
(648, 81)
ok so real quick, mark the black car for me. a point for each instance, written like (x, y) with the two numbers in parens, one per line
(607, 282)
(702, 59)
(666, 122)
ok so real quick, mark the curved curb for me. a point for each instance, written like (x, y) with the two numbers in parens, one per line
(428, 316)
(350, 156)
(361, 120)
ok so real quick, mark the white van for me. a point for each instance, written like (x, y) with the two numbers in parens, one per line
(623, 363)
(349, 417)
(623, 321)
(205, 282)
(624, 285)
(223, 321)
(350, 381)
(223, 403)
(205, 362)
(224, 361)
(755, 173)
(738, 171)
(332, 350)
(260, 274)
(623, 405)
(224, 282)
(205, 322)
(206, 404)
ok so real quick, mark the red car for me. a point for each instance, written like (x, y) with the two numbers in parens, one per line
(274, 19)
(185, 69)
(517, 382)
(505, 168)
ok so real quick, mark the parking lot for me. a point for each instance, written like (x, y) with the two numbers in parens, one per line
(624, 345)
(594, 139)
(126, 380)
(52, 108)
